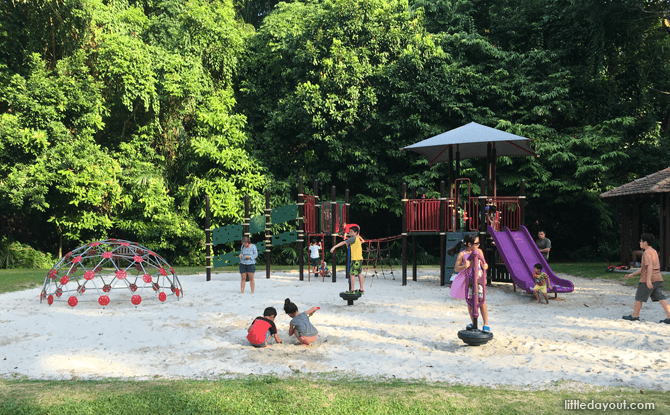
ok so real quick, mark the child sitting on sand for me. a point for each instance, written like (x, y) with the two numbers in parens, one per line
(541, 282)
(262, 328)
(300, 326)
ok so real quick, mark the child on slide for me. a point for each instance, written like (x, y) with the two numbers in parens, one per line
(459, 287)
(541, 283)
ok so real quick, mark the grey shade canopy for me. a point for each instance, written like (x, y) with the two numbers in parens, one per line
(471, 140)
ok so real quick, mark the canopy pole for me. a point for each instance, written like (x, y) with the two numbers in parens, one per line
(451, 171)
(458, 162)
(488, 168)
(438, 156)
(494, 175)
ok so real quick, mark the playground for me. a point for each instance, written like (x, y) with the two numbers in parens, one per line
(402, 332)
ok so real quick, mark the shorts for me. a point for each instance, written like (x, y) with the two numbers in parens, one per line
(356, 268)
(314, 261)
(304, 340)
(540, 288)
(656, 293)
(247, 269)
(265, 343)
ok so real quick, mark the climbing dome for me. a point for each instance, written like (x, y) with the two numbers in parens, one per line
(111, 270)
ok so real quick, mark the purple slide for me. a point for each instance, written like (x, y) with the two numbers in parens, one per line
(520, 254)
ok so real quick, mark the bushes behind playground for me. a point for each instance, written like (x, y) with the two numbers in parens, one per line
(17, 255)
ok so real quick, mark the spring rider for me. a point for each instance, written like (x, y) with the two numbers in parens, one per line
(475, 281)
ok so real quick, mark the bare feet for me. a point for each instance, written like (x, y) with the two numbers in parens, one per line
(538, 301)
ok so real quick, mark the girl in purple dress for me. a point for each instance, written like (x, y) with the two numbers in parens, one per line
(459, 287)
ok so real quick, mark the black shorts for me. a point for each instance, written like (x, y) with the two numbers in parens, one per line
(655, 293)
(244, 269)
(314, 261)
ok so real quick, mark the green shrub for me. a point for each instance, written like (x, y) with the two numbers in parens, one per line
(17, 255)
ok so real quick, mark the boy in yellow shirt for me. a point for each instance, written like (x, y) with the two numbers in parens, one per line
(356, 266)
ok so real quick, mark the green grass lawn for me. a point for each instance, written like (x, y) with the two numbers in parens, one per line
(300, 395)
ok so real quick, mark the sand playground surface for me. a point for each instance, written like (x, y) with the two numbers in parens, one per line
(392, 331)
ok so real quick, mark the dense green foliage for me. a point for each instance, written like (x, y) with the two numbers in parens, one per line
(118, 117)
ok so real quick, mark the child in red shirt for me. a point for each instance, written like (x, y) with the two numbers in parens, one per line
(262, 328)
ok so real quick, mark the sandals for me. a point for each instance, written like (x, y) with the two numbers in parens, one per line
(631, 318)
(360, 291)
(666, 321)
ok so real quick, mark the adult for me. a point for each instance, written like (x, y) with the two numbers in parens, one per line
(651, 282)
(248, 256)
(544, 244)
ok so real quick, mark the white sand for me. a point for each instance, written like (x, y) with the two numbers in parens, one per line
(393, 331)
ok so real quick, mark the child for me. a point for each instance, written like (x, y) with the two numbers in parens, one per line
(300, 326)
(459, 285)
(541, 282)
(314, 248)
(356, 266)
(262, 327)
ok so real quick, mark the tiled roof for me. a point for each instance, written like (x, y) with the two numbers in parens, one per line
(658, 182)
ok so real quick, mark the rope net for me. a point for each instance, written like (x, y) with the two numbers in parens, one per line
(377, 252)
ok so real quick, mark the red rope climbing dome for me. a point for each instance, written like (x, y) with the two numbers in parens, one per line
(111, 270)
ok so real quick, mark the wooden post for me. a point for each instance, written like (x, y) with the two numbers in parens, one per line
(333, 233)
(636, 229)
(247, 220)
(443, 233)
(301, 230)
(208, 242)
(488, 168)
(522, 203)
(414, 220)
(404, 233)
(268, 232)
(317, 213)
(451, 171)
(625, 234)
(493, 170)
(482, 220)
(458, 163)
(345, 213)
(664, 234)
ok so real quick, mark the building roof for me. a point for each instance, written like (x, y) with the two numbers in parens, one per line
(658, 182)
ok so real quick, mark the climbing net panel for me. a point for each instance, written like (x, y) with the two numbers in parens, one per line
(377, 252)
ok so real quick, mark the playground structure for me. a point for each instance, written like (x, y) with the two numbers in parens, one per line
(486, 214)
(449, 217)
(110, 268)
(315, 219)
